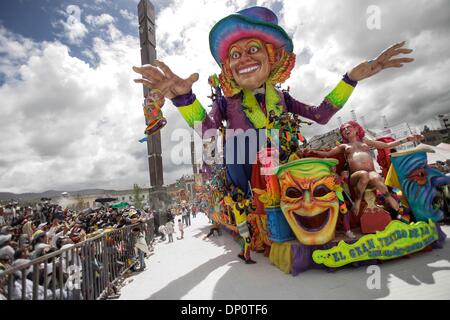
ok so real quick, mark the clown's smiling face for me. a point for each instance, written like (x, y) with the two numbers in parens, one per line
(249, 63)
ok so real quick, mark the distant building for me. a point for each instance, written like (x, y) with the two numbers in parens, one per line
(444, 120)
(435, 137)
(183, 187)
(398, 132)
(84, 201)
(128, 196)
(330, 139)
(325, 141)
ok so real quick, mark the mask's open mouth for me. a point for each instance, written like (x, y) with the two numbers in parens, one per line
(314, 223)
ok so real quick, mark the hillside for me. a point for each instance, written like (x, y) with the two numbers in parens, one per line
(7, 196)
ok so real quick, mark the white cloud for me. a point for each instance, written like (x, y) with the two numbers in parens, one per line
(14, 49)
(127, 14)
(337, 37)
(130, 17)
(106, 24)
(67, 125)
(99, 21)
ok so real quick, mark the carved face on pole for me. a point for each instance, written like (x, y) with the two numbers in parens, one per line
(155, 98)
(152, 111)
(309, 200)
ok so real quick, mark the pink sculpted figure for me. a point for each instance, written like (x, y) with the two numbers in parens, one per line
(356, 148)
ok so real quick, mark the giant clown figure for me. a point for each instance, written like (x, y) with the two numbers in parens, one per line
(254, 54)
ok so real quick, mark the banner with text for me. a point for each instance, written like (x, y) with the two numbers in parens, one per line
(396, 240)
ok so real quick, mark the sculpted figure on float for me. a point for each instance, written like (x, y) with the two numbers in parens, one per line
(356, 148)
(420, 183)
(310, 194)
(255, 54)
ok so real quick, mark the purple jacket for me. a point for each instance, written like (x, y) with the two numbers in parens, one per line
(231, 109)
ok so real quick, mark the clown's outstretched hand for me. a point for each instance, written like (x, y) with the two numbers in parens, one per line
(160, 77)
(385, 60)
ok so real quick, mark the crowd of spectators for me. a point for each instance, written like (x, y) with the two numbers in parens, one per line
(28, 233)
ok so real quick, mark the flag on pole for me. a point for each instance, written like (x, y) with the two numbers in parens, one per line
(143, 140)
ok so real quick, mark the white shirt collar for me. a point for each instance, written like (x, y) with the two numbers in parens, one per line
(259, 90)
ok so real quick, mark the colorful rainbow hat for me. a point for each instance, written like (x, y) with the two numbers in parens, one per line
(254, 22)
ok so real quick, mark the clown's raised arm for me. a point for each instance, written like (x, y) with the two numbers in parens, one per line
(255, 54)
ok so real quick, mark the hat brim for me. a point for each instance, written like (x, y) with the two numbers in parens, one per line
(39, 235)
(236, 27)
(308, 165)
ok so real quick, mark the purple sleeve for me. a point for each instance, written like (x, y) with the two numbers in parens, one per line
(349, 81)
(213, 120)
(184, 100)
(320, 114)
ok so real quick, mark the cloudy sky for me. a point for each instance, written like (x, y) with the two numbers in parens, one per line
(71, 116)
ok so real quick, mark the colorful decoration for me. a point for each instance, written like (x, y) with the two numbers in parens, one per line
(397, 240)
(309, 199)
(270, 197)
(277, 225)
(252, 108)
(374, 218)
(193, 113)
(254, 22)
(281, 256)
(153, 114)
(239, 106)
(145, 139)
(340, 95)
(240, 207)
(263, 230)
(419, 182)
(257, 243)
(384, 156)
(356, 148)
(256, 55)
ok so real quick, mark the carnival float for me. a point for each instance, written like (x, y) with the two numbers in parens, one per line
(300, 207)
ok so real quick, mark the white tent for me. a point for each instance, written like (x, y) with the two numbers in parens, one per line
(441, 152)
(444, 146)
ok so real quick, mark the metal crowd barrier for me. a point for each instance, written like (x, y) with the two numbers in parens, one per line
(84, 271)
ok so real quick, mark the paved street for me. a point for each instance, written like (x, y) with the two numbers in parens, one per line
(198, 269)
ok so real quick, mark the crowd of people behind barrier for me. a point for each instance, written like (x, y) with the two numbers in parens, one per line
(28, 233)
